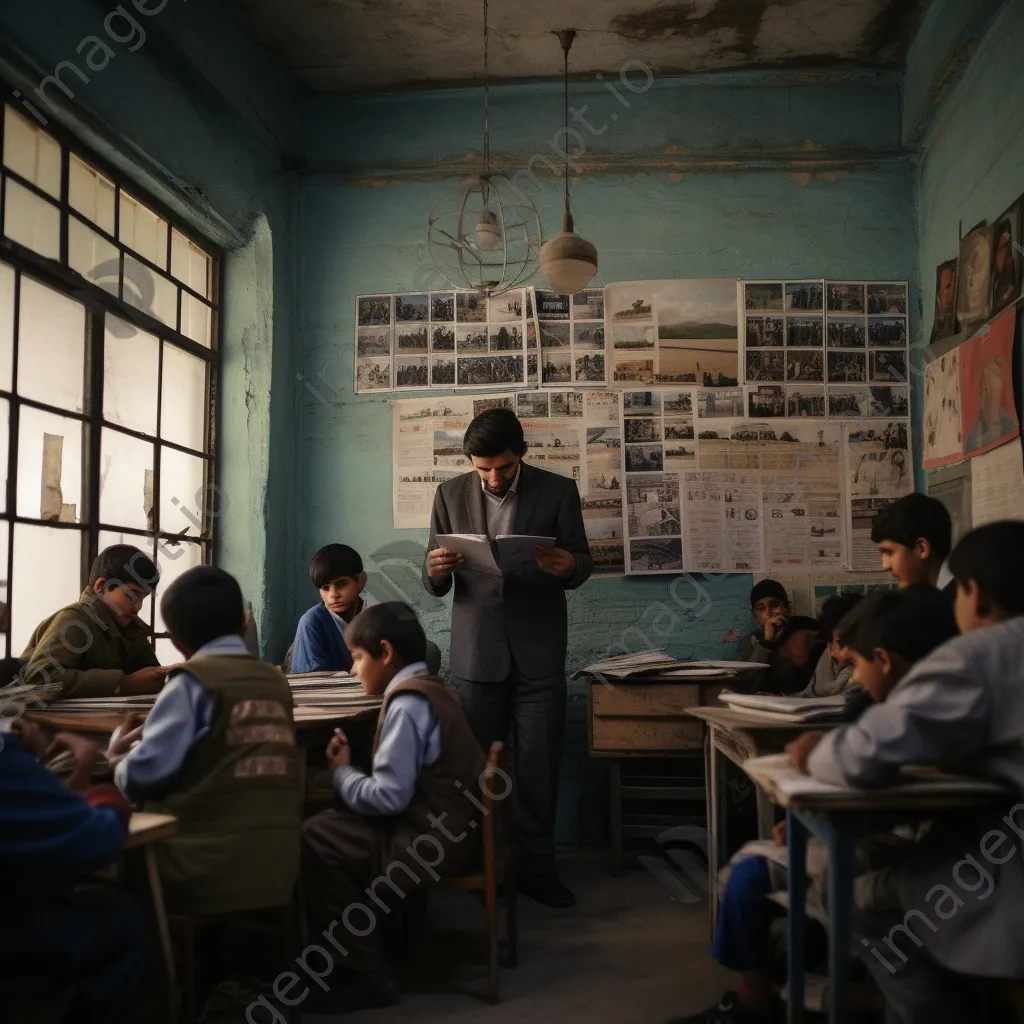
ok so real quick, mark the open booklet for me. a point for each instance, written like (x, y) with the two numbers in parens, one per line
(510, 552)
(787, 709)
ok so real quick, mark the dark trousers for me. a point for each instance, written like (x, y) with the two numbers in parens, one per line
(90, 939)
(743, 935)
(533, 710)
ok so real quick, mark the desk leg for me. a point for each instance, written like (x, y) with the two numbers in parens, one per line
(842, 835)
(615, 787)
(765, 814)
(163, 932)
(796, 841)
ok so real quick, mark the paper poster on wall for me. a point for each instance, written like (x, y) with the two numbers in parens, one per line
(722, 516)
(833, 585)
(952, 486)
(989, 413)
(674, 332)
(1007, 257)
(572, 336)
(943, 440)
(973, 294)
(997, 484)
(878, 471)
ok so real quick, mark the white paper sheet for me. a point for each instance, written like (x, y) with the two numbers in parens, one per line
(997, 484)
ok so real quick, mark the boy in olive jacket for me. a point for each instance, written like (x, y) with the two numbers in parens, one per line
(98, 647)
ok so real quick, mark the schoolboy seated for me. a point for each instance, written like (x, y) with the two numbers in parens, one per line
(60, 935)
(410, 821)
(834, 671)
(921, 622)
(798, 649)
(769, 604)
(98, 647)
(337, 570)
(218, 752)
(956, 896)
(914, 535)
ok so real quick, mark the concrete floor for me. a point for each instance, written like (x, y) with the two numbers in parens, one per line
(628, 954)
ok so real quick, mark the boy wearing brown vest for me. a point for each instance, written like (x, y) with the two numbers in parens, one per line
(409, 823)
(218, 751)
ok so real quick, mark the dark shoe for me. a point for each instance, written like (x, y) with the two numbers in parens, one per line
(351, 990)
(732, 1011)
(546, 889)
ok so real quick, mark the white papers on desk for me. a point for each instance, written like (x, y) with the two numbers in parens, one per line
(514, 551)
(787, 709)
(658, 663)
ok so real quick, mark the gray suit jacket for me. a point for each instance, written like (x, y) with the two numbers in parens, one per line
(961, 708)
(519, 619)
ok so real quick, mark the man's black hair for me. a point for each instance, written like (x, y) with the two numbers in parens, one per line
(333, 561)
(993, 556)
(201, 605)
(768, 588)
(910, 622)
(912, 517)
(833, 610)
(127, 564)
(393, 621)
(493, 432)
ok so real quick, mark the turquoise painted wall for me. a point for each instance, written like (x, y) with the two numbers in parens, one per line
(194, 112)
(734, 176)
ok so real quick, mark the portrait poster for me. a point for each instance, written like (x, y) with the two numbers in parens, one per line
(944, 317)
(943, 426)
(674, 332)
(973, 294)
(988, 411)
(1006, 258)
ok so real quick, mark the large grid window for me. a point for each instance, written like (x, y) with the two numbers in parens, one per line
(108, 366)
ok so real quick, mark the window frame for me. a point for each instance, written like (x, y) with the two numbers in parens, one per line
(98, 303)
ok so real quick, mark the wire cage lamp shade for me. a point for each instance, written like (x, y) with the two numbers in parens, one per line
(486, 237)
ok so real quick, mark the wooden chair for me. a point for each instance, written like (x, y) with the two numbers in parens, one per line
(497, 868)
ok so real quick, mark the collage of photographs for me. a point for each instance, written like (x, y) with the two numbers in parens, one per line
(424, 340)
(572, 343)
(826, 348)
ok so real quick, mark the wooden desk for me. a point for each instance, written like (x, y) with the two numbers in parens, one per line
(838, 823)
(646, 717)
(145, 829)
(736, 736)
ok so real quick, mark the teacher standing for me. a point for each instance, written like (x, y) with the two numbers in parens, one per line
(509, 633)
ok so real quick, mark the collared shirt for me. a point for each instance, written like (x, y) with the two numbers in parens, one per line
(501, 512)
(410, 739)
(945, 576)
(180, 717)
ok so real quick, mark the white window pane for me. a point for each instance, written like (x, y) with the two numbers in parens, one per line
(30, 152)
(91, 194)
(142, 230)
(42, 553)
(131, 374)
(172, 560)
(183, 411)
(189, 264)
(57, 493)
(6, 326)
(126, 481)
(5, 435)
(153, 294)
(93, 256)
(195, 319)
(166, 652)
(182, 493)
(107, 538)
(31, 221)
(51, 346)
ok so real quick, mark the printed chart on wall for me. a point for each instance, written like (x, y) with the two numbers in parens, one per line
(417, 341)
(674, 332)
(825, 348)
(572, 433)
(572, 341)
(879, 469)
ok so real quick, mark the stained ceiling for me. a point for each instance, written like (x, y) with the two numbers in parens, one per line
(361, 45)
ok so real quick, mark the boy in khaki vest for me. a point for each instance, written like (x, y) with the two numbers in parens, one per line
(409, 823)
(218, 751)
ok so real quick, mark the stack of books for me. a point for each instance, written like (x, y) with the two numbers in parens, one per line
(786, 709)
(660, 664)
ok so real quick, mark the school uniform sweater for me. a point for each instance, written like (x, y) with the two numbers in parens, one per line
(320, 641)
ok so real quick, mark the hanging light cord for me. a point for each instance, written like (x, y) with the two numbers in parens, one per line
(487, 109)
(565, 150)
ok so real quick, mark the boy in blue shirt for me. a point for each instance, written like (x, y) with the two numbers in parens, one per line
(337, 570)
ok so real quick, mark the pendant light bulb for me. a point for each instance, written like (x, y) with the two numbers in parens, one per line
(487, 234)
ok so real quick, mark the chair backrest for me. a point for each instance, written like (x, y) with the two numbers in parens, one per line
(495, 790)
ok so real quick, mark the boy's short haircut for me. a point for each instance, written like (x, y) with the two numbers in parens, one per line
(912, 517)
(796, 624)
(910, 622)
(768, 588)
(834, 610)
(393, 621)
(201, 605)
(494, 432)
(333, 561)
(993, 556)
(125, 563)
